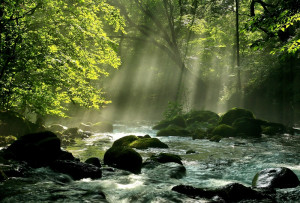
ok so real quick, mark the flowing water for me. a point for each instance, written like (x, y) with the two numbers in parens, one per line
(213, 165)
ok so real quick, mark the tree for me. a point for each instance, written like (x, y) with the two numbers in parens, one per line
(54, 52)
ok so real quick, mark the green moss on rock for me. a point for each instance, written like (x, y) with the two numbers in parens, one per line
(124, 158)
(145, 143)
(202, 116)
(125, 141)
(178, 121)
(223, 131)
(166, 158)
(230, 116)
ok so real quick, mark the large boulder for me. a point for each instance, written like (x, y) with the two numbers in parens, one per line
(124, 158)
(275, 178)
(224, 131)
(37, 149)
(57, 128)
(173, 130)
(202, 116)
(233, 192)
(77, 170)
(247, 127)
(230, 116)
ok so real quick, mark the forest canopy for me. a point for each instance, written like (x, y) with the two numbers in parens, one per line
(53, 52)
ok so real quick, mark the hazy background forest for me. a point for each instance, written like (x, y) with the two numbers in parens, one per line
(57, 56)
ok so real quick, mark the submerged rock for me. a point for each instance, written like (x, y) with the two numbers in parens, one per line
(124, 158)
(230, 116)
(275, 178)
(233, 192)
(77, 170)
(94, 161)
(163, 158)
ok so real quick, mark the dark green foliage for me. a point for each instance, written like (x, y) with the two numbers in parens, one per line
(230, 116)
(174, 109)
(173, 130)
(12, 123)
(124, 158)
(6, 140)
(247, 127)
(223, 131)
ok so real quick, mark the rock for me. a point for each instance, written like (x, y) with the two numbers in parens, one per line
(199, 134)
(190, 151)
(102, 127)
(177, 121)
(77, 170)
(224, 131)
(164, 158)
(247, 127)
(173, 130)
(145, 143)
(124, 158)
(125, 141)
(3, 176)
(233, 192)
(73, 133)
(215, 138)
(94, 161)
(38, 149)
(230, 116)
(57, 128)
(202, 116)
(270, 128)
(12, 123)
(275, 178)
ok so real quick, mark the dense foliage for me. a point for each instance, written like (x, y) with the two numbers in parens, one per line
(54, 52)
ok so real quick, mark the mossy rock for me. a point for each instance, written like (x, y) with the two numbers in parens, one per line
(202, 116)
(270, 128)
(102, 127)
(173, 131)
(177, 121)
(125, 141)
(223, 131)
(145, 143)
(215, 138)
(230, 116)
(124, 158)
(166, 158)
(199, 134)
(247, 127)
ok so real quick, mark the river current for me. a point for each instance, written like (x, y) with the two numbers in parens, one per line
(214, 164)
